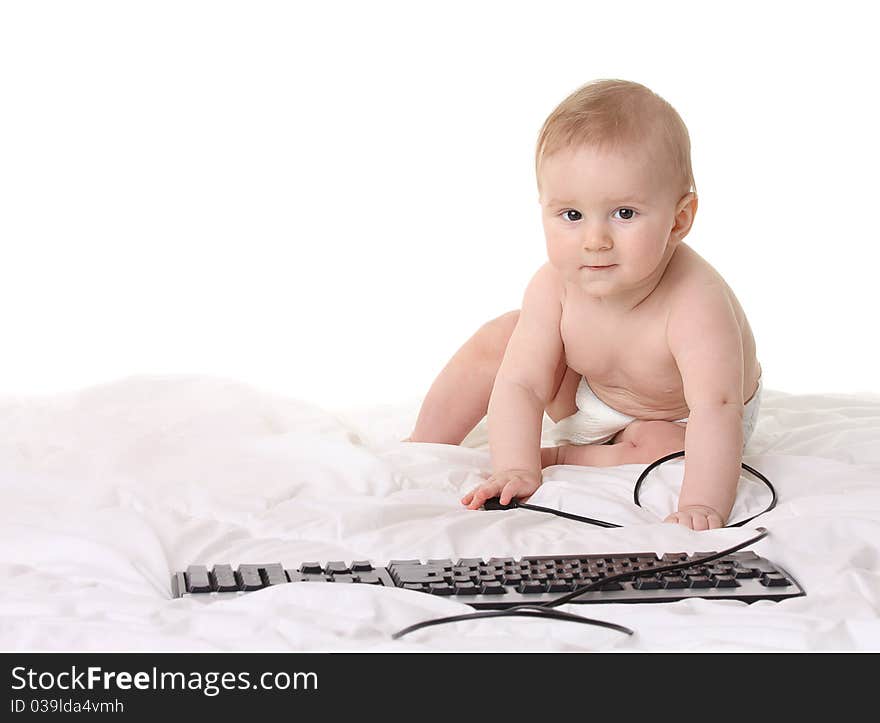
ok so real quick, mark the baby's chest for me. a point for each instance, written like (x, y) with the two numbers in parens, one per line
(626, 352)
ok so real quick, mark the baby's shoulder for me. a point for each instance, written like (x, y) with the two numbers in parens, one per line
(697, 294)
(690, 278)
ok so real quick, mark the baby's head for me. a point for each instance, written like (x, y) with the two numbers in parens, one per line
(614, 146)
(619, 115)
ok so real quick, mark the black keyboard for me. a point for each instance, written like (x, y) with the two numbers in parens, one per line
(503, 582)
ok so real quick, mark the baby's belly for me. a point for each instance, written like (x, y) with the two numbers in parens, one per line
(661, 401)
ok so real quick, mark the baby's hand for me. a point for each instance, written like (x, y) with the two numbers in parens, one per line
(697, 517)
(519, 483)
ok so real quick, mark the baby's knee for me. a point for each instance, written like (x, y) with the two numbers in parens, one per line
(493, 336)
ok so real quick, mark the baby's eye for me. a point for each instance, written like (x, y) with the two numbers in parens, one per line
(625, 211)
(571, 210)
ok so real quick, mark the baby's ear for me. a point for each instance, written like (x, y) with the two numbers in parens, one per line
(684, 215)
(689, 198)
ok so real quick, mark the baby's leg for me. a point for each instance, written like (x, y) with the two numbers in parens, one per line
(459, 398)
(640, 443)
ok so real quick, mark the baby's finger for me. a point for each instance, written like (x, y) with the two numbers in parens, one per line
(482, 494)
(700, 522)
(514, 488)
(715, 522)
(681, 518)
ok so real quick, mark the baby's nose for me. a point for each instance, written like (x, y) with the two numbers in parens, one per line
(598, 243)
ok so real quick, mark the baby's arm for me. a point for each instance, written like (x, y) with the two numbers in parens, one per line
(705, 339)
(522, 389)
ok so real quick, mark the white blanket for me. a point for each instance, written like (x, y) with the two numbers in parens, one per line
(107, 491)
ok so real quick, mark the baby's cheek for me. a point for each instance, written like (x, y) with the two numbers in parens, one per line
(561, 259)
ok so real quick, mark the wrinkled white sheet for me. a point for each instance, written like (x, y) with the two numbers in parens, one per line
(107, 491)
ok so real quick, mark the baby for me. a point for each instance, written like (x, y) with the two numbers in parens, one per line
(627, 338)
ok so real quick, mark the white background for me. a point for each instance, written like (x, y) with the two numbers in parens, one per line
(326, 200)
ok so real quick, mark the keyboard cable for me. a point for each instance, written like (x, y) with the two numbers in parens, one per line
(546, 609)
(568, 515)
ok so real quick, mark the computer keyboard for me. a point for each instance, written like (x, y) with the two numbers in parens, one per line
(504, 582)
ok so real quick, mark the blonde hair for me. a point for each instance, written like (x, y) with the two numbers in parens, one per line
(613, 114)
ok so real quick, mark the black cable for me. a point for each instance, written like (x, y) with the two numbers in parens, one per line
(746, 467)
(567, 515)
(514, 503)
(530, 611)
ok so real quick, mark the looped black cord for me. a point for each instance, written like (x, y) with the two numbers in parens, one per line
(746, 467)
(514, 503)
(529, 611)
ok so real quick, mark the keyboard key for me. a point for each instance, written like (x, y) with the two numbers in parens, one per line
(530, 586)
(413, 586)
(441, 588)
(197, 579)
(465, 588)
(558, 586)
(272, 574)
(774, 579)
(699, 581)
(337, 566)
(361, 566)
(310, 568)
(492, 588)
(725, 581)
(512, 579)
(648, 582)
(720, 569)
(223, 579)
(248, 578)
(344, 578)
(369, 578)
(674, 582)
(745, 573)
(394, 563)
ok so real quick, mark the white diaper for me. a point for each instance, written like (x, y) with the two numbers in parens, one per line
(596, 423)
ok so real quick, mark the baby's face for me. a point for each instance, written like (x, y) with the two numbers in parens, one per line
(604, 208)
